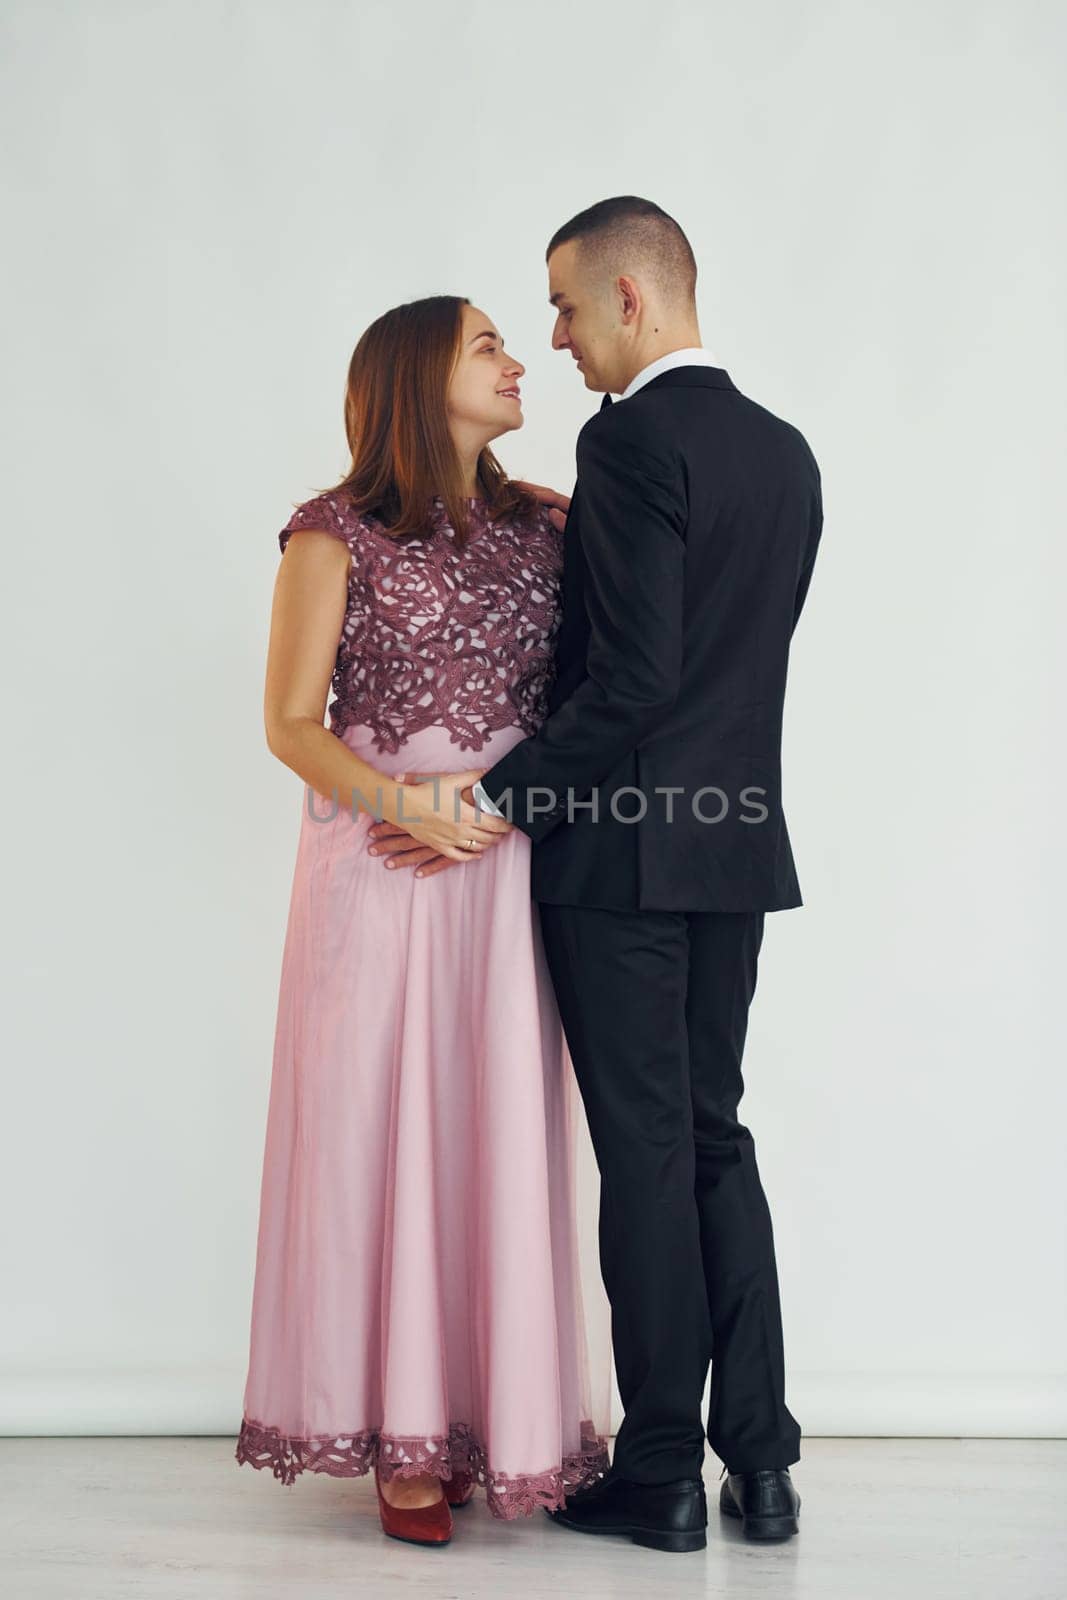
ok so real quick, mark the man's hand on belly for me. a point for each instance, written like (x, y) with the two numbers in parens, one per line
(399, 849)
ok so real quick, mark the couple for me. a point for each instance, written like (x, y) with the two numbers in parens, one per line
(594, 714)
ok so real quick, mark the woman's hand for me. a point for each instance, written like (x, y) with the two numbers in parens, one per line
(420, 828)
(558, 504)
(395, 843)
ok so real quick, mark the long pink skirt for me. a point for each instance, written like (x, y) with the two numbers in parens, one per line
(417, 1300)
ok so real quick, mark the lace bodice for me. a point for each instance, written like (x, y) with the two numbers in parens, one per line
(434, 634)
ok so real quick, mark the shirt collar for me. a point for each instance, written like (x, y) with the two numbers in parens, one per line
(692, 356)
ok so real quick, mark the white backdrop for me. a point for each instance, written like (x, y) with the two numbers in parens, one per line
(206, 206)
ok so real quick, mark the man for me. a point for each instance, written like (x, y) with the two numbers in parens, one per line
(652, 794)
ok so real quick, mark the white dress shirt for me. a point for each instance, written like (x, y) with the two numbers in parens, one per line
(692, 356)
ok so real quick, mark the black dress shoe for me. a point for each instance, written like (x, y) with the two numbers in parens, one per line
(766, 1501)
(663, 1516)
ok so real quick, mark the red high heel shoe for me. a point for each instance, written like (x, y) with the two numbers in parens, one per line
(414, 1524)
(459, 1488)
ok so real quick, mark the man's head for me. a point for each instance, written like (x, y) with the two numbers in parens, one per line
(622, 276)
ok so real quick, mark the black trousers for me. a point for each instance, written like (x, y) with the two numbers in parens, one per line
(655, 1011)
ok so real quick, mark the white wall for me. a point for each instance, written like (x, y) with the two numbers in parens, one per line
(208, 205)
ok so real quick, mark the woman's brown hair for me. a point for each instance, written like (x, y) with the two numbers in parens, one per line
(396, 421)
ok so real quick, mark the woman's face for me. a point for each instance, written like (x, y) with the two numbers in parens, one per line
(483, 393)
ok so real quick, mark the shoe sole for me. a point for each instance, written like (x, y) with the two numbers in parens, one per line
(761, 1527)
(670, 1541)
(423, 1544)
(651, 1538)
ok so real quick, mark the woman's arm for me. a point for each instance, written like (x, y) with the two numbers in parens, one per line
(558, 504)
(306, 619)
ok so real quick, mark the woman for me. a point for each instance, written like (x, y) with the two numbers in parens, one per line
(417, 1305)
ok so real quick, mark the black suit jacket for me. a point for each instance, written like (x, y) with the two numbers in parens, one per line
(688, 552)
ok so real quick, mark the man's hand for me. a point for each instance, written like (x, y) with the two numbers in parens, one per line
(399, 849)
(559, 504)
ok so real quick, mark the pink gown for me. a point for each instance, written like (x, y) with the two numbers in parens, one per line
(417, 1300)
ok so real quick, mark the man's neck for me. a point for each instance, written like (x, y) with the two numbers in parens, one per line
(687, 339)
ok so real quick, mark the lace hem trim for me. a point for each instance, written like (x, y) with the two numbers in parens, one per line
(353, 1455)
(525, 709)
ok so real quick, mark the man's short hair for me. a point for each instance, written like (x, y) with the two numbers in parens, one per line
(628, 232)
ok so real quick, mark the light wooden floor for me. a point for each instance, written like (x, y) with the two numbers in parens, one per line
(882, 1519)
